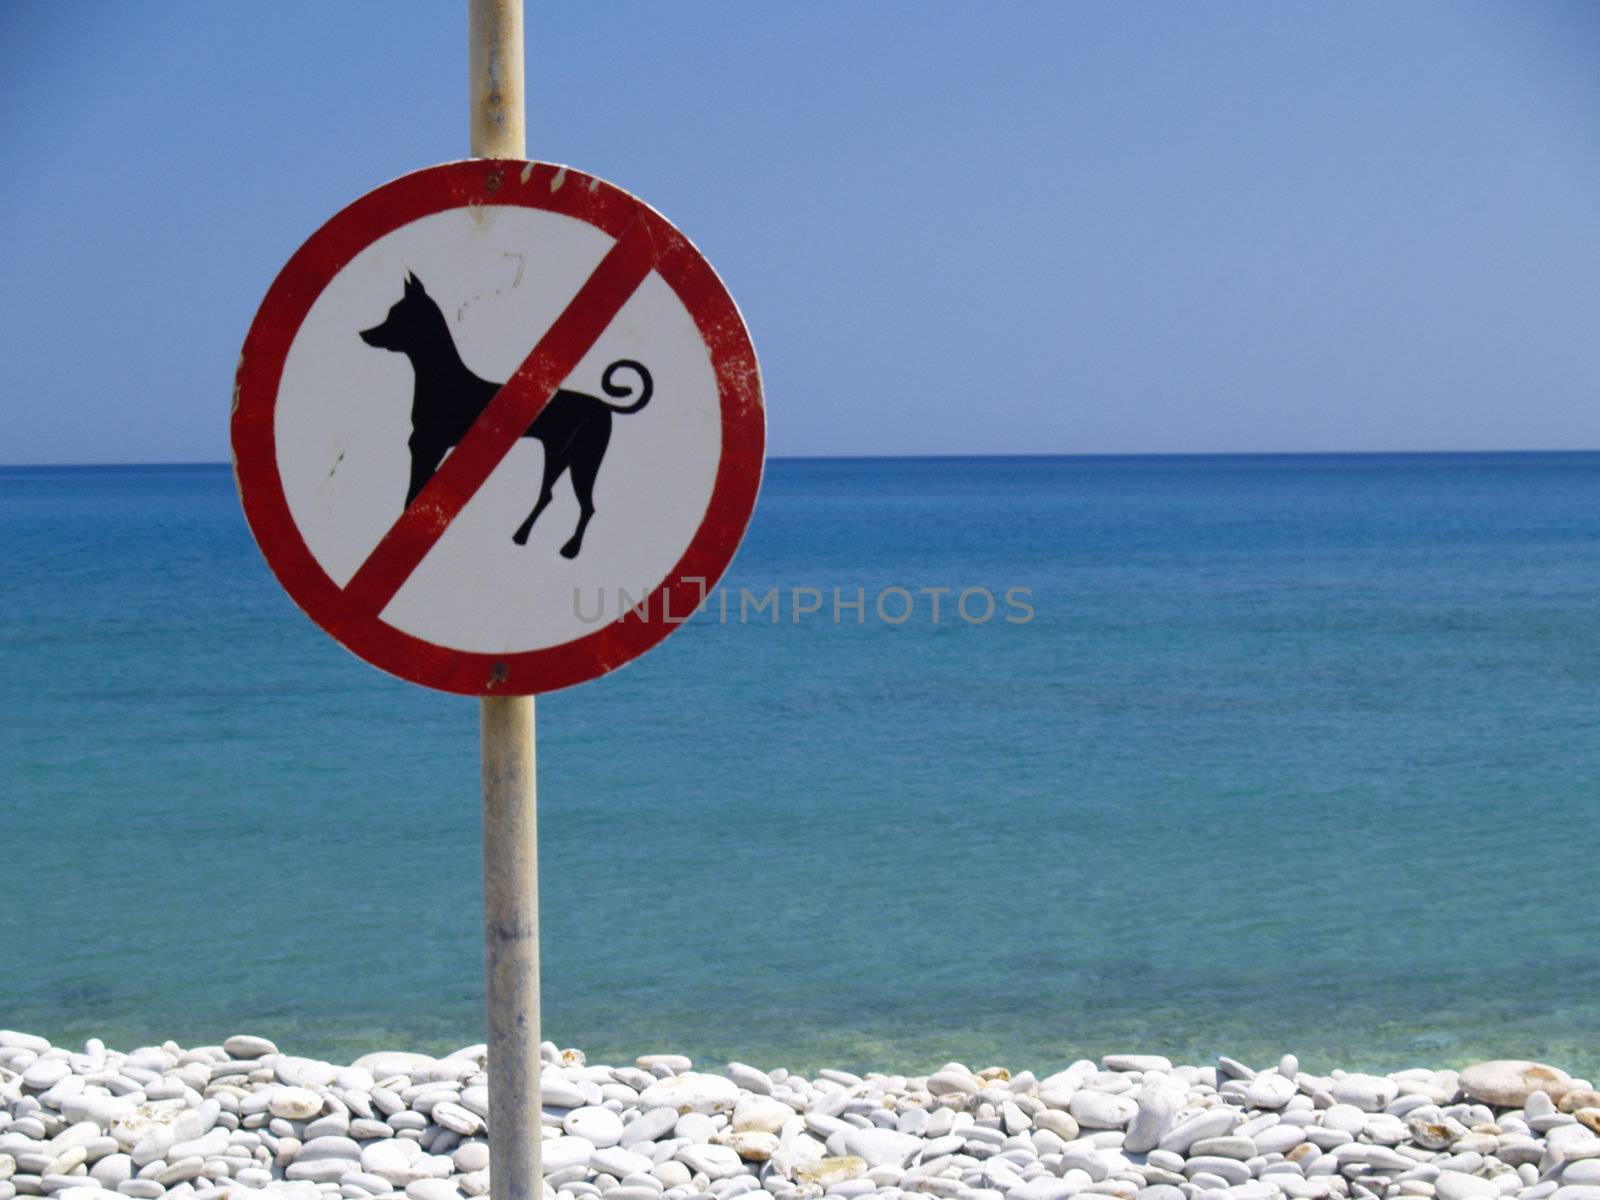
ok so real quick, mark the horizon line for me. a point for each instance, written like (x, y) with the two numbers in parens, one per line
(997, 456)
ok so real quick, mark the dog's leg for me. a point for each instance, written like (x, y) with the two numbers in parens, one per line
(586, 458)
(425, 459)
(552, 469)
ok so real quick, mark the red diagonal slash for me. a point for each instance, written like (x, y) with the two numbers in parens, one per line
(506, 418)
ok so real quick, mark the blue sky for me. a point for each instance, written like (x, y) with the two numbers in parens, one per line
(953, 228)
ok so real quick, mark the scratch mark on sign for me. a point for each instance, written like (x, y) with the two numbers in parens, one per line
(527, 171)
(238, 374)
(558, 179)
(516, 281)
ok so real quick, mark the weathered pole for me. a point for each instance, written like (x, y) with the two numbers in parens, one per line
(511, 946)
(510, 790)
(499, 127)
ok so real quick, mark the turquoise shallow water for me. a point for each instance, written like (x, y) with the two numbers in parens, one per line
(1298, 753)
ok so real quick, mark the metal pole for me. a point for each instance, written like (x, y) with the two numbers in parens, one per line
(511, 946)
(495, 48)
(510, 791)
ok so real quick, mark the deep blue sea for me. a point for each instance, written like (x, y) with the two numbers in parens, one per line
(1297, 753)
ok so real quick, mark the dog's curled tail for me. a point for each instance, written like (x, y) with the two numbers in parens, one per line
(621, 392)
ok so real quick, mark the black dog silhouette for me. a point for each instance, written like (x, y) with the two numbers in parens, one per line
(574, 428)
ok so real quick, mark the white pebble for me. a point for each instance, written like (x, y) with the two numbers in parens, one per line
(600, 1126)
(649, 1126)
(1102, 1110)
(1269, 1090)
(1370, 1093)
(294, 1103)
(46, 1073)
(692, 1092)
(614, 1160)
(562, 1152)
(242, 1045)
(882, 1147)
(1158, 1103)
(1457, 1185)
(714, 1162)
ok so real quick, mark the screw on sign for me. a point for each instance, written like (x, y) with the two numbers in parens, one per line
(483, 390)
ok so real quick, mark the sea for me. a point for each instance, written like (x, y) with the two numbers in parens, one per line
(1250, 755)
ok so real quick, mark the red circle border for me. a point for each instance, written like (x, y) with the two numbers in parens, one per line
(308, 272)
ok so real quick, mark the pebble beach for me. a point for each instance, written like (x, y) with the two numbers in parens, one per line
(244, 1120)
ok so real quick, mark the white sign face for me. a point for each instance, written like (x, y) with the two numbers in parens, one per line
(499, 277)
(497, 427)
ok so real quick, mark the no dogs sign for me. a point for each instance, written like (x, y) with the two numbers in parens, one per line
(498, 427)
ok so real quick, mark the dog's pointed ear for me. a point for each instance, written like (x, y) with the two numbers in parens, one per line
(413, 284)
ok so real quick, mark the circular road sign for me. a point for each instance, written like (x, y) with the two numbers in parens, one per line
(497, 427)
